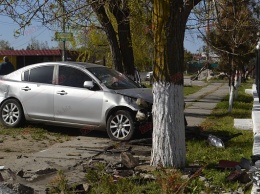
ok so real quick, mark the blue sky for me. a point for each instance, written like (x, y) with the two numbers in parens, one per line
(192, 43)
(42, 34)
(35, 31)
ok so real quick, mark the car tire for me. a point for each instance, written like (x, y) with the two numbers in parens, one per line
(120, 126)
(11, 113)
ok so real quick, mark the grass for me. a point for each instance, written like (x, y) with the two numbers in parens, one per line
(101, 182)
(35, 133)
(191, 89)
(221, 124)
(187, 89)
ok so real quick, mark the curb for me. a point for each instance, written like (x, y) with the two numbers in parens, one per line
(256, 131)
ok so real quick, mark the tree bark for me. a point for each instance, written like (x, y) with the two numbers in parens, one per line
(168, 126)
(231, 84)
(169, 21)
(121, 12)
(111, 34)
(237, 82)
(231, 98)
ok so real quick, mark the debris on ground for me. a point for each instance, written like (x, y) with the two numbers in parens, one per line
(215, 141)
(227, 164)
(120, 160)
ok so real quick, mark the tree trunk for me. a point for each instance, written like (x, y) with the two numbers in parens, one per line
(231, 98)
(231, 84)
(126, 47)
(121, 12)
(169, 21)
(237, 83)
(111, 34)
(168, 125)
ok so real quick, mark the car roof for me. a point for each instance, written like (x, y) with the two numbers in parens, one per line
(82, 65)
(68, 63)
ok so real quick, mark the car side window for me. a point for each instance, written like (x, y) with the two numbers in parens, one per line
(69, 76)
(43, 74)
(26, 76)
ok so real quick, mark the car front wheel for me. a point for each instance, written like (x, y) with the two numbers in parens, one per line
(120, 126)
(11, 113)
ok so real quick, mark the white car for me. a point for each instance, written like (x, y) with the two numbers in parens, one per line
(149, 76)
(75, 94)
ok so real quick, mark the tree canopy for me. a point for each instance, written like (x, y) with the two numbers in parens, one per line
(229, 29)
(120, 20)
(37, 45)
(5, 45)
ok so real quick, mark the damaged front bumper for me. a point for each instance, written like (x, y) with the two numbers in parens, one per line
(144, 116)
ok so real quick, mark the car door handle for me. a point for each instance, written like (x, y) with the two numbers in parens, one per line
(26, 88)
(62, 92)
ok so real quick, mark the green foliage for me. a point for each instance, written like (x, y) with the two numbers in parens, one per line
(187, 57)
(196, 186)
(5, 45)
(37, 45)
(92, 45)
(141, 32)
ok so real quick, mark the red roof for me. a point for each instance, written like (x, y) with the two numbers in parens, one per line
(30, 53)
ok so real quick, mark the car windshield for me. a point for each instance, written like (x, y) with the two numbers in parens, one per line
(112, 79)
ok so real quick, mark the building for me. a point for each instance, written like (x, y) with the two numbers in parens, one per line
(21, 58)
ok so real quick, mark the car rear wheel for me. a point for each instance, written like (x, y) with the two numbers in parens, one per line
(120, 126)
(11, 113)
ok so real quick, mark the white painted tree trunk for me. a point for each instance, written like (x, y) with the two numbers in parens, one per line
(168, 125)
(231, 98)
(237, 83)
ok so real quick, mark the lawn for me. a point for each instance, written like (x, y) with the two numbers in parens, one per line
(221, 124)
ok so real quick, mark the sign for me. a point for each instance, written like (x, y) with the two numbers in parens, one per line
(63, 36)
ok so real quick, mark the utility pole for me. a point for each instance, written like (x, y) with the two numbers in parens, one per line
(207, 44)
(63, 36)
(64, 57)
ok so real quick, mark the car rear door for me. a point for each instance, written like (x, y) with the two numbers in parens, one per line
(36, 92)
(72, 102)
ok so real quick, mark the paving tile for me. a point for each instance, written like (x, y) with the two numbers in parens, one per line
(243, 124)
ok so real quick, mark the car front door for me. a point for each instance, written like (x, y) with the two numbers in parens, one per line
(36, 92)
(72, 102)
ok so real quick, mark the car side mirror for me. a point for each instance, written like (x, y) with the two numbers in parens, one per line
(88, 84)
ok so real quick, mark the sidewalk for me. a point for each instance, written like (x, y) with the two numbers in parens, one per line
(200, 104)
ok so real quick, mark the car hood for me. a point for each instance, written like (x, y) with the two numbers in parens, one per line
(144, 93)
